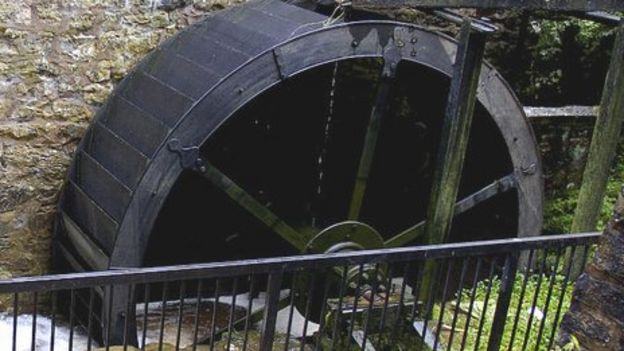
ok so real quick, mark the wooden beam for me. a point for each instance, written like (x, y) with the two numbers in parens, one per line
(602, 149)
(564, 111)
(553, 5)
(453, 144)
(604, 142)
(454, 135)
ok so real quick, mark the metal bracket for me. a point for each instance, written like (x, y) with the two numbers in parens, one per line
(277, 57)
(528, 170)
(392, 56)
(189, 156)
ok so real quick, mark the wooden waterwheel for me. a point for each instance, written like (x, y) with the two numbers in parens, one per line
(268, 130)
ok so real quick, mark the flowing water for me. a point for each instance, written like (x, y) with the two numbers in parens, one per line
(62, 333)
(43, 334)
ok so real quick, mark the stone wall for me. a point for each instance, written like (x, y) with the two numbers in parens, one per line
(595, 320)
(59, 60)
(564, 143)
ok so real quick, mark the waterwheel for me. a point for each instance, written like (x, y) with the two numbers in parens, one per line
(266, 130)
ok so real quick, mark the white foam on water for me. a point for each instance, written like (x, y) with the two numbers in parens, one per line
(42, 336)
(62, 331)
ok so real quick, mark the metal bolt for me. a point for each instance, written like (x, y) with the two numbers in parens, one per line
(200, 165)
(529, 170)
(414, 40)
(355, 43)
(413, 53)
(240, 90)
(400, 43)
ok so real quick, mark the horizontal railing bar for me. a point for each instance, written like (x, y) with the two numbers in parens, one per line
(121, 276)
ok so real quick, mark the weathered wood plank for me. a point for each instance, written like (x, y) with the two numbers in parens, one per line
(455, 133)
(604, 142)
(557, 5)
(453, 144)
(564, 111)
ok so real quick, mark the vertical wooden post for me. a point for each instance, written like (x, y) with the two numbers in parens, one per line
(604, 142)
(455, 132)
(453, 140)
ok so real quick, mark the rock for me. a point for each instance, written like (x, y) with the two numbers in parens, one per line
(96, 94)
(596, 316)
(160, 20)
(170, 5)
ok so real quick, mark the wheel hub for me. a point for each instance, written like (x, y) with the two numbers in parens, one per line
(345, 236)
(339, 237)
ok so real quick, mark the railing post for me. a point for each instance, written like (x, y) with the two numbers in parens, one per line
(604, 142)
(271, 307)
(504, 300)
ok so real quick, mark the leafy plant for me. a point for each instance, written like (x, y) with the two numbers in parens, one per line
(536, 316)
(559, 210)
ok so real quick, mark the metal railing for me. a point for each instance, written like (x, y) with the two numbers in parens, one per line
(499, 294)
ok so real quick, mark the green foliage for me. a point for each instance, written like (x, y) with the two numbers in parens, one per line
(559, 210)
(550, 30)
(529, 320)
(555, 41)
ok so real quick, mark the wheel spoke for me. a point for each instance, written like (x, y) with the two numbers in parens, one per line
(500, 186)
(372, 133)
(251, 205)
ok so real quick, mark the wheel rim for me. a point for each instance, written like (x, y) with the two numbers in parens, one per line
(283, 171)
(358, 40)
(121, 204)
